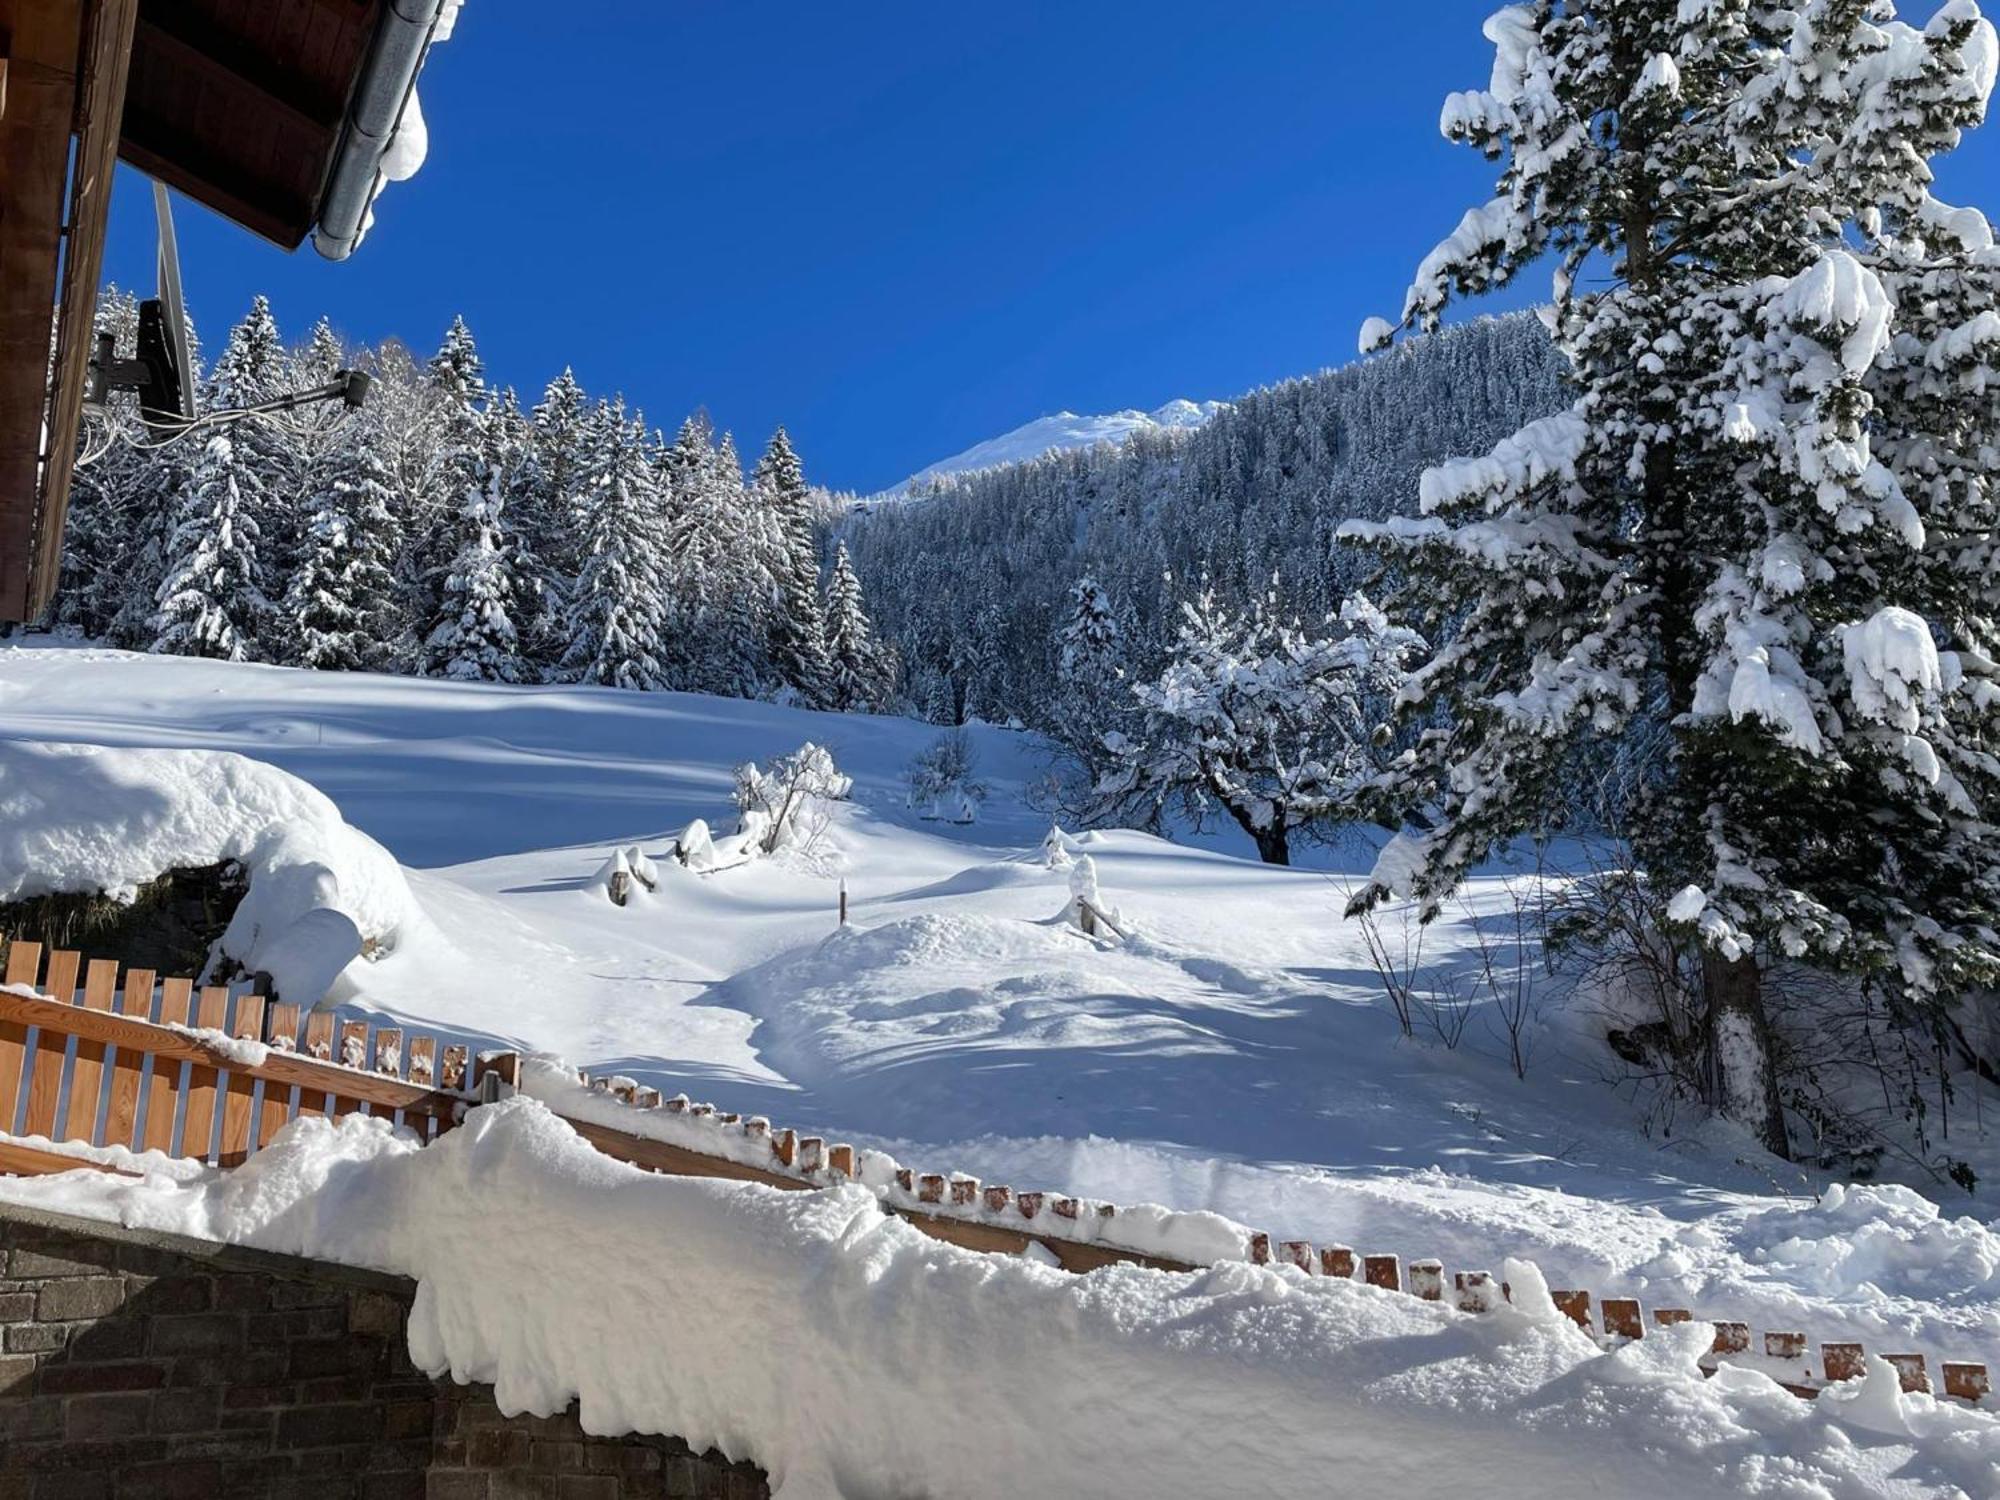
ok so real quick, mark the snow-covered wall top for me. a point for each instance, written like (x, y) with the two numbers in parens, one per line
(87, 818)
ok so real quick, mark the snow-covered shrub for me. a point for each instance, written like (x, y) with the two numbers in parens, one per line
(695, 848)
(943, 779)
(785, 805)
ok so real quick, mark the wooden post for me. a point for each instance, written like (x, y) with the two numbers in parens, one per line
(1622, 1318)
(1842, 1361)
(1336, 1260)
(843, 902)
(1910, 1370)
(1297, 1253)
(1967, 1382)
(1385, 1271)
(1573, 1305)
(1476, 1291)
(1427, 1279)
(1784, 1345)
(1731, 1338)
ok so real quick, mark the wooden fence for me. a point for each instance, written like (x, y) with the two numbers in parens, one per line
(129, 1060)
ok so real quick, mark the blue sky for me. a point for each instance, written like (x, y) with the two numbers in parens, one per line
(902, 228)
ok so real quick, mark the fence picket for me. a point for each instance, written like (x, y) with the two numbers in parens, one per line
(86, 1074)
(198, 1124)
(45, 1079)
(240, 1091)
(455, 1058)
(319, 1047)
(128, 1066)
(1842, 1361)
(281, 1034)
(353, 1054)
(24, 967)
(163, 1074)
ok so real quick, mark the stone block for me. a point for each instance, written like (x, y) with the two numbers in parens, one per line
(196, 1333)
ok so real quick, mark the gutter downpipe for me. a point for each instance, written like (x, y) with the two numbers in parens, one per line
(395, 57)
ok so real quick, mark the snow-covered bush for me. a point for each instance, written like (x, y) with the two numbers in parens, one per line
(77, 818)
(943, 779)
(695, 848)
(1259, 716)
(785, 806)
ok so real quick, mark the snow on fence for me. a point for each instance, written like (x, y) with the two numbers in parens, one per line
(147, 1064)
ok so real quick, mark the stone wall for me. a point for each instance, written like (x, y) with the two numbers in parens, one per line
(139, 1365)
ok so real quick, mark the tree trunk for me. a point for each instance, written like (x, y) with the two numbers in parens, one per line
(1739, 1048)
(1272, 846)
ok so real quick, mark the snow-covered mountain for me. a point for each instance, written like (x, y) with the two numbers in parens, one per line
(1054, 434)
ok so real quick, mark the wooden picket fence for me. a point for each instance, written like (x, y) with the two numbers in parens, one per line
(127, 1059)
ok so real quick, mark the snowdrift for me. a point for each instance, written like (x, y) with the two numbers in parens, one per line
(85, 818)
(849, 1354)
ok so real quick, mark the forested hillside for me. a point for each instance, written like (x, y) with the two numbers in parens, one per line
(445, 531)
(972, 580)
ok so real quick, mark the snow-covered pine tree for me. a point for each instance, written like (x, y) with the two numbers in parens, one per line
(1092, 697)
(341, 604)
(1259, 717)
(473, 638)
(616, 612)
(254, 367)
(1763, 521)
(541, 586)
(211, 601)
(744, 550)
(798, 625)
(855, 679)
(448, 455)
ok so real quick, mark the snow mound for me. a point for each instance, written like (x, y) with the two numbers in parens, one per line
(1857, 1238)
(79, 818)
(848, 1353)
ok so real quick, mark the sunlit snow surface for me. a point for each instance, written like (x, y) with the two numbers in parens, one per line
(1236, 1056)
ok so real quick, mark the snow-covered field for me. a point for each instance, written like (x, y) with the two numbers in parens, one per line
(1235, 1055)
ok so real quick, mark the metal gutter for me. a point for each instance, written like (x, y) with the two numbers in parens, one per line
(381, 95)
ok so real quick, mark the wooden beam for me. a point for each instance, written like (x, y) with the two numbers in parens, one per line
(107, 52)
(46, 36)
(179, 38)
(17, 1160)
(176, 159)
